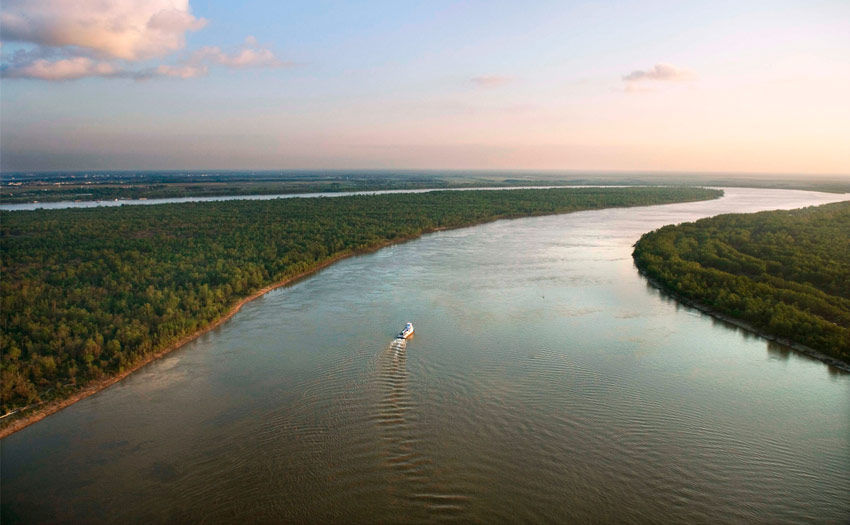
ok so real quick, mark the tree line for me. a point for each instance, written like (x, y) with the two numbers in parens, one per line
(785, 272)
(88, 292)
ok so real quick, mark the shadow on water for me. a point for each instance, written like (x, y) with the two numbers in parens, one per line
(780, 352)
(776, 351)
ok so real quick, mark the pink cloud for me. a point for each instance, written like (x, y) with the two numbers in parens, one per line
(250, 54)
(102, 38)
(659, 72)
(123, 29)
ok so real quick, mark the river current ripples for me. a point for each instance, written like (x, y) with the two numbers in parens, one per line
(547, 382)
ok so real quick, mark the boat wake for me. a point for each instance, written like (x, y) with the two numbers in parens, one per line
(393, 411)
(410, 472)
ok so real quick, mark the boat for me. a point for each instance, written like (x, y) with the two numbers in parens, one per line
(406, 333)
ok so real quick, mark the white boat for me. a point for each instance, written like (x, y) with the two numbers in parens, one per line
(407, 332)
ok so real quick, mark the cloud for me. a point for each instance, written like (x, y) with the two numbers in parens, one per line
(124, 29)
(66, 69)
(659, 72)
(491, 80)
(182, 71)
(250, 55)
(104, 38)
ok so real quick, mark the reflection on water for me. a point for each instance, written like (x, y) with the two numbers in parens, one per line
(547, 382)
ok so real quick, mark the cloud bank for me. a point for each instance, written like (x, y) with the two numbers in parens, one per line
(659, 72)
(104, 38)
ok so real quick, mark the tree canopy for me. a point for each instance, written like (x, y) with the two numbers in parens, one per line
(784, 272)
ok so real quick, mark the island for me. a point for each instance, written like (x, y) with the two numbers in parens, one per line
(76, 186)
(782, 274)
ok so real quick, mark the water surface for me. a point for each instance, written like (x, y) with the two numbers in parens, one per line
(547, 382)
(36, 205)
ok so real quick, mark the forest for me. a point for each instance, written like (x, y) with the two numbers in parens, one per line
(89, 292)
(787, 273)
(20, 187)
(59, 186)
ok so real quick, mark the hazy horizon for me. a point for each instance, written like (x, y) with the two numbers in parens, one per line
(714, 87)
(550, 173)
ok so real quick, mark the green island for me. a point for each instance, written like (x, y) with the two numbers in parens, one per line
(16, 188)
(55, 187)
(785, 274)
(91, 293)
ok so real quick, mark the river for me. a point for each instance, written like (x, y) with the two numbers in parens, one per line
(58, 205)
(547, 382)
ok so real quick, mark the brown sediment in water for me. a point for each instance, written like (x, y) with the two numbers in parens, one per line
(803, 349)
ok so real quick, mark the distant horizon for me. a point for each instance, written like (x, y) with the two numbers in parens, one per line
(521, 171)
(647, 86)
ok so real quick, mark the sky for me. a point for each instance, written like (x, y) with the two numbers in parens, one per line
(715, 86)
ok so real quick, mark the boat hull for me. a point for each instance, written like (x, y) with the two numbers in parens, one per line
(407, 333)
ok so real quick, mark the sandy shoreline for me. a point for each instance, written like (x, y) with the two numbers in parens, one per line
(811, 352)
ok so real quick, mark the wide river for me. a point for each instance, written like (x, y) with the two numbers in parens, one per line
(547, 382)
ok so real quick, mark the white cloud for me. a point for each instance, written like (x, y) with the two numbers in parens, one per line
(66, 69)
(251, 54)
(659, 72)
(125, 29)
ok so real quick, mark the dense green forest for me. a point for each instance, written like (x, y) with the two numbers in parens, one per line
(53, 187)
(88, 292)
(109, 185)
(784, 272)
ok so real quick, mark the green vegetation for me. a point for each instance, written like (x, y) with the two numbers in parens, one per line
(89, 186)
(786, 273)
(89, 292)
(53, 187)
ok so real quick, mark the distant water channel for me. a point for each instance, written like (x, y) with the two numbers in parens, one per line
(176, 200)
(547, 382)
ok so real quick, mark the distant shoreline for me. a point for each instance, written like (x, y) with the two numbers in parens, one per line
(189, 199)
(811, 352)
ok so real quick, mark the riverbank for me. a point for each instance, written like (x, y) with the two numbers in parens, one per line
(811, 352)
(32, 415)
(780, 271)
(372, 219)
(41, 411)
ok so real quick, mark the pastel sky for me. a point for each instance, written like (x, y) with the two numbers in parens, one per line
(743, 86)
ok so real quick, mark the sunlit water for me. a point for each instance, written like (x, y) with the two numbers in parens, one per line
(546, 382)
